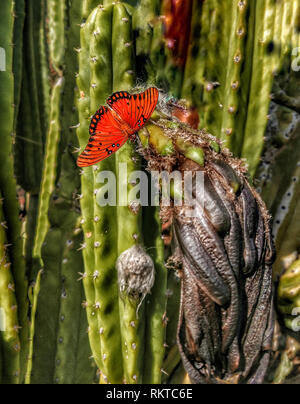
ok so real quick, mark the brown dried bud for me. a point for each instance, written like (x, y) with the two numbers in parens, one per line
(226, 321)
(223, 241)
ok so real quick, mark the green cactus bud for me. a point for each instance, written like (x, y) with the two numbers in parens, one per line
(289, 296)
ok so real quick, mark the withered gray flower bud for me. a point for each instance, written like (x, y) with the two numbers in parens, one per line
(136, 272)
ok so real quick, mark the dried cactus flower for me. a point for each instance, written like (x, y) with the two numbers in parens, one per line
(136, 272)
(226, 320)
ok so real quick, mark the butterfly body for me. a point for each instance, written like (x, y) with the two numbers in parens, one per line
(113, 125)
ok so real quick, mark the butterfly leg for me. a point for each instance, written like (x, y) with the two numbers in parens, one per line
(136, 139)
(133, 137)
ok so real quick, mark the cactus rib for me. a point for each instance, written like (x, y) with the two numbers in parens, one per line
(9, 334)
(49, 170)
(7, 181)
(87, 182)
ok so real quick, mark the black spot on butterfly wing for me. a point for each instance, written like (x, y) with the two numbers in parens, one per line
(118, 96)
(96, 119)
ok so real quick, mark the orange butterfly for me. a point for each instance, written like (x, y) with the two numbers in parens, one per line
(112, 126)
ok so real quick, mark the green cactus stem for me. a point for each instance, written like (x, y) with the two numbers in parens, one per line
(42, 69)
(45, 339)
(32, 204)
(143, 22)
(265, 63)
(88, 6)
(30, 128)
(18, 53)
(157, 55)
(286, 226)
(253, 42)
(192, 81)
(200, 53)
(280, 187)
(287, 359)
(34, 291)
(236, 56)
(67, 360)
(282, 138)
(73, 362)
(9, 333)
(171, 363)
(128, 217)
(44, 76)
(156, 302)
(105, 225)
(175, 15)
(26, 148)
(87, 183)
(7, 181)
(49, 170)
(213, 72)
(56, 16)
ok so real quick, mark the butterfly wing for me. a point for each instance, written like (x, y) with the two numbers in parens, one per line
(134, 109)
(106, 137)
